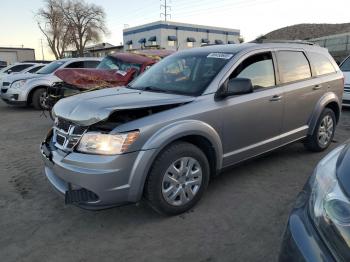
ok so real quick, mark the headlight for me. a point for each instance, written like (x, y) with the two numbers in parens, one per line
(18, 84)
(106, 144)
(330, 208)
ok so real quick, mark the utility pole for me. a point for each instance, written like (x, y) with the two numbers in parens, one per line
(166, 8)
(42, 48)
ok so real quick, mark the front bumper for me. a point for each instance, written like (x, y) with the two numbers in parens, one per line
(13, 96)
(301, 241)
(114, 180)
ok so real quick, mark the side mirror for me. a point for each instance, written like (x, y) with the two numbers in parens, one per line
(9, 71)
(235, 86)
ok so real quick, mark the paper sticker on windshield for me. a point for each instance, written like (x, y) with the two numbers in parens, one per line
(120, 72)
(220, 55)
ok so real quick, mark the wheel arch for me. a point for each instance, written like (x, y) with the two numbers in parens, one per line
(329, 100)
(31, 92)
(195, 132)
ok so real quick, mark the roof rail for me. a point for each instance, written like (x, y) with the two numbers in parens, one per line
(266, 41)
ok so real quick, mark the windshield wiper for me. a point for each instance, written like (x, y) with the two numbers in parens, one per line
(155, 89)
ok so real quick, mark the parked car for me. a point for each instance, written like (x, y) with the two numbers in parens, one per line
(32, 89)
(117, 69)
(319, 225)
(345, 67)
(15, 68)
(188, 117)
(25, 74)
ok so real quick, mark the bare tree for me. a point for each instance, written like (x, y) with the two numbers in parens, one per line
(87, 22)
(53, 25)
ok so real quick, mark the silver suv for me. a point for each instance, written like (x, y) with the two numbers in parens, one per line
(31, 89)
(194, 113)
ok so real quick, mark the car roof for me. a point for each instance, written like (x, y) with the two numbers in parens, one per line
(133, 58)
(237, 48)
(77, 59)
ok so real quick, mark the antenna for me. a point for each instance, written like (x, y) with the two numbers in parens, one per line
(166, 8)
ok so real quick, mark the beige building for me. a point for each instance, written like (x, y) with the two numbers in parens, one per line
(13, 55)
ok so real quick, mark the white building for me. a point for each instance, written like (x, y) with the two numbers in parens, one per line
(176, 36)
(12, 55)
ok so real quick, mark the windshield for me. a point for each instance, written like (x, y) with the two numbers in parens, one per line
(110, 62)
(186, 74)
(345, 66)
(50, 68)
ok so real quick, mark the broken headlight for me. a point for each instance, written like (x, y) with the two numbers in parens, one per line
(330, 207)
(106, 144)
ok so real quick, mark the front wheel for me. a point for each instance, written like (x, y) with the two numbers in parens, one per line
(324, 131)
(178, 179)
(40, 99)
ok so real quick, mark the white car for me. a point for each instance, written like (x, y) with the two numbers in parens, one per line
(31, 89)
(345, 67)
(15, 68)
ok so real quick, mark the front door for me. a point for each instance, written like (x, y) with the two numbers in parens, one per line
(252, 122)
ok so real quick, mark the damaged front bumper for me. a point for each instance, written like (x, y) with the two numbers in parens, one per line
(96, 181)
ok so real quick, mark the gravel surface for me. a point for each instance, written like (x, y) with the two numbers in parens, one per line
(240, 218)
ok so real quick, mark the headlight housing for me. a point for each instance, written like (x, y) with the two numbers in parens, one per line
(18, 84)
(106, 144)
(330, 208)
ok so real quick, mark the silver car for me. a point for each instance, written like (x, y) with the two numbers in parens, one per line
(345, 67)
(31, 89)
(186, 118)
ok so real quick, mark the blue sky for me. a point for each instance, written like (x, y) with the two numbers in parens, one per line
(252, 17)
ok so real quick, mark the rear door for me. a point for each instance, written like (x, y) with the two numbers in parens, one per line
(301, 92)
(252, 122)
(345, 68)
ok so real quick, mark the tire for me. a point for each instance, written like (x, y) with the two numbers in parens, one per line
(325, 125)
(37, 99)
(167, 179)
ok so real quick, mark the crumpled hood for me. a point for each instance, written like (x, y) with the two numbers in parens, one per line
(94, 78)
(92, 107)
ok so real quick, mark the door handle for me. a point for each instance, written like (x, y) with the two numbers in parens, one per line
(276, 98)
(317, 87)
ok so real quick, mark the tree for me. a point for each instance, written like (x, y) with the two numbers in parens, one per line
(87, 22)
(54, 26)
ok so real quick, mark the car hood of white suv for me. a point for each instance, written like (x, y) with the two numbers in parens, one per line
(22, 76)
(92, 107)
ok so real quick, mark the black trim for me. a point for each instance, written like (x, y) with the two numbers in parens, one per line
(191, 40)
(172, 38)
(152, 39)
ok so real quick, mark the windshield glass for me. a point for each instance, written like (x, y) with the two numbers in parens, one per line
(50, 68)
(110, 62)
(186, 74)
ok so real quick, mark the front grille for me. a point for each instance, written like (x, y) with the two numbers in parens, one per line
(67, 134)
(347, 89)
(80, 196)
(6, 84)
(4, 91)
(346, 102)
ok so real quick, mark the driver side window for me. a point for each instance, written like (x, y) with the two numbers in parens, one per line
(259, 69)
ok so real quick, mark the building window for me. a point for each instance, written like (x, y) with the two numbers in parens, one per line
(154, 43)
(189, 44)
(171, 43)
(130, 46)
(172, 40)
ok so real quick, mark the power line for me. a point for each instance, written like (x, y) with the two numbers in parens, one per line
(166, 8)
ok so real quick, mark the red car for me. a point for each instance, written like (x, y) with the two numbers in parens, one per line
(117, 69)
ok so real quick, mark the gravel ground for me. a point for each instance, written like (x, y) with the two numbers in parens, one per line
(240, 218)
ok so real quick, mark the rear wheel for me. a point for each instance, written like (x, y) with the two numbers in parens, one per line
(178, 179)
(40, 99)
(324, 132)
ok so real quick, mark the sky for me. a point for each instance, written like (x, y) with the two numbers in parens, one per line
(253, 17)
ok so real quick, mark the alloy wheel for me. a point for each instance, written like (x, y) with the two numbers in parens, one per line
(326, 130)
(182, 181)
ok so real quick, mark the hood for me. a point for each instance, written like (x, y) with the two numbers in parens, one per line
(92, 107)
(22, 76)
(343, 169)
(86, 79)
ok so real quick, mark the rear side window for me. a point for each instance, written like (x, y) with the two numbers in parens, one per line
(345, 66)
(321, 64)
(33, 70)
(259, 69)
(91, 64)
(293, 66)
(76, 65)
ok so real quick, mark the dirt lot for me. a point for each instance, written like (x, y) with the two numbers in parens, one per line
(241, 217)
